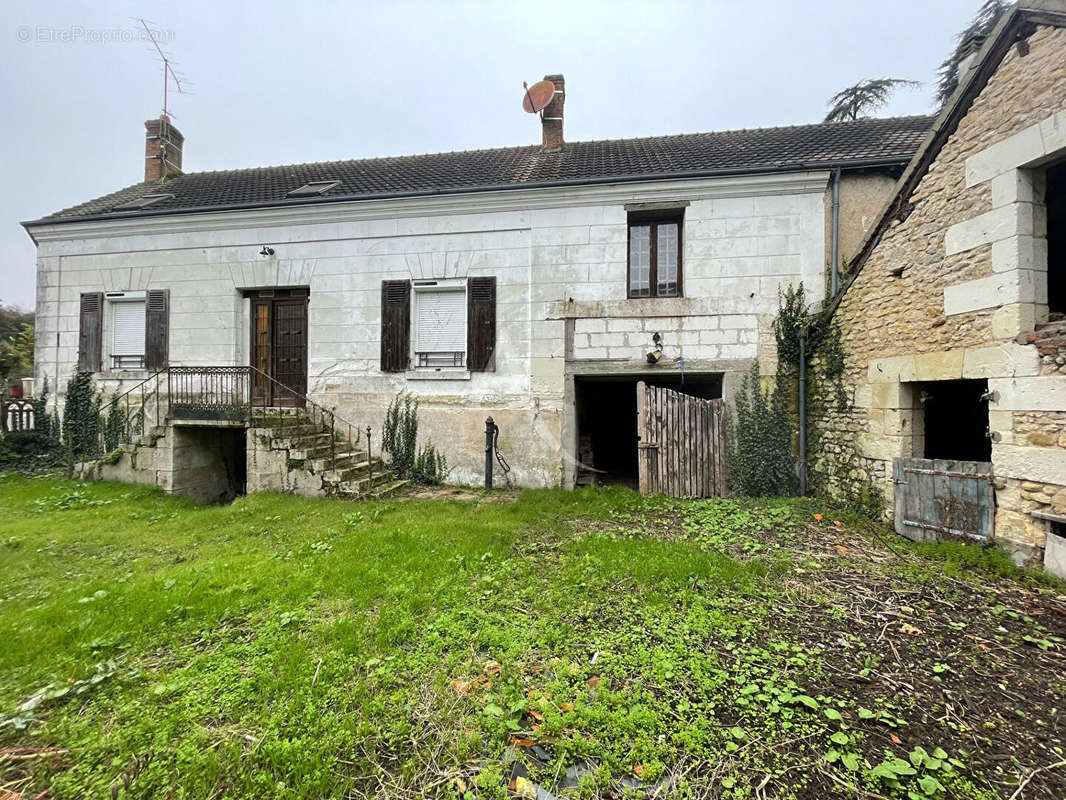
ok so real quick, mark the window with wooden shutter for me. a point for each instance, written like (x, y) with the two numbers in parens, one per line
(90, 331)
(481, 324)
(157, 329)
(395, 325)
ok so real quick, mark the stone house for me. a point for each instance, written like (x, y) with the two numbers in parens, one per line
(526, 283)
(953, 317)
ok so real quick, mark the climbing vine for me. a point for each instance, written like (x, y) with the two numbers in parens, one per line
(835, 468)
(81, 418)
(759, 446)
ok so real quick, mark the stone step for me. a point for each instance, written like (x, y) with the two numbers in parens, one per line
(302, 441)
(356, 471)
(343, 459)
(389, 489)
(378, 486)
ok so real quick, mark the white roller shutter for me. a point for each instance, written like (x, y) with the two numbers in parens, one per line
(128, 321)
(441, 321)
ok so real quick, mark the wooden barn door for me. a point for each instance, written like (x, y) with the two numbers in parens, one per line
(937, 498)
(680, 443)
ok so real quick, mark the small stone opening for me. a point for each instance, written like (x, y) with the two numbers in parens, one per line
(607, 422)
(955, 420)
(210, 463)
(1055, 198)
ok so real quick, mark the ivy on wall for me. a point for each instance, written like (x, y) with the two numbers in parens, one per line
(758, 448)
(81, 418)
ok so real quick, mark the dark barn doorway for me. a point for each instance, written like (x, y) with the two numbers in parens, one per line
(1055, 198)
(955, 417)
(607, 422)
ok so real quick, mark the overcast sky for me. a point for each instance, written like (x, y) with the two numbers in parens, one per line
(281, 82)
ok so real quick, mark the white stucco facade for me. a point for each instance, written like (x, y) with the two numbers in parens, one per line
(559, 257)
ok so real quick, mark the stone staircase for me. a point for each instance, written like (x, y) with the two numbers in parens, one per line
(318, 462)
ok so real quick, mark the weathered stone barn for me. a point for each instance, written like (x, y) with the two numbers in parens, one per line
(526, 283)
(954, 315)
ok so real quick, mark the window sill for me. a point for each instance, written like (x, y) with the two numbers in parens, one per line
(438, 374)
(124, 374)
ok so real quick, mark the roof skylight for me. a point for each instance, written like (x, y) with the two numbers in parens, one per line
(313, 188)
(142, 202)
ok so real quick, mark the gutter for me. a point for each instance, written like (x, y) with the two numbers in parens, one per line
(574, 182)
(834, 264)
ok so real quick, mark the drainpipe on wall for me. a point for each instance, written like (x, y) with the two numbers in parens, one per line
(834, 268)
(803, 411)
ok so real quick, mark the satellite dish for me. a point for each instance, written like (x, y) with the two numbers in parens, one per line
(538, 96)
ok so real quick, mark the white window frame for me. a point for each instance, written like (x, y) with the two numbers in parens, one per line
(124, 361)
(422, 363)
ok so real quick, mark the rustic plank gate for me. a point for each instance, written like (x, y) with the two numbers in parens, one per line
(680, 443)
(935, 498)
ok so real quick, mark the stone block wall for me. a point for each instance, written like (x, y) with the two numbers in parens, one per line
(953, 289)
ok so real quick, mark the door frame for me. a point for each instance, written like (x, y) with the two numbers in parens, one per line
(263, 392)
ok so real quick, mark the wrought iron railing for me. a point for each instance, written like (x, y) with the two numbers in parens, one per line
(209, 393)
(214, 393)
(125, 416)
(229, 393)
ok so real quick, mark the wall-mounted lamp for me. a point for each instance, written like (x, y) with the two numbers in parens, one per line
(657, 353)
(266, 251)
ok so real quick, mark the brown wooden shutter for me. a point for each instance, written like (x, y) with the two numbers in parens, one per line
(395, 325)
(481, 324)
(90, 331)
(157, 329)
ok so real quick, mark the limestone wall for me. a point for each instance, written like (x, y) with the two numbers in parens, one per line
(952, 290)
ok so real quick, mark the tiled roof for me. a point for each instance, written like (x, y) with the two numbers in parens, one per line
(864, 141)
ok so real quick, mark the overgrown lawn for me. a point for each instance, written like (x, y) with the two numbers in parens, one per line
(591, 643)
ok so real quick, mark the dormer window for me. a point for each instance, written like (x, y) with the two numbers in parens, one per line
(143, 202)
(313, 189)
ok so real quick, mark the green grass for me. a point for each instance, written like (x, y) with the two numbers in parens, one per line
(291, 648)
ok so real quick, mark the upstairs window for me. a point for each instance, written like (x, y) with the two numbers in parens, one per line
(655, 255)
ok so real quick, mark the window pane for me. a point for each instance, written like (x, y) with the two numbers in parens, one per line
(640, 260)
(666, 259)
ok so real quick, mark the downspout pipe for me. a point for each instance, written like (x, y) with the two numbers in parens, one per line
(834, 250)
(803, 411)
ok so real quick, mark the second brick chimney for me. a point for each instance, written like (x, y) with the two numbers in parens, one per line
(162, 149)
(551, 118)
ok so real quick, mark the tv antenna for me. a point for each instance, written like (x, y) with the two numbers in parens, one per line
(537, 96)
(168, 67)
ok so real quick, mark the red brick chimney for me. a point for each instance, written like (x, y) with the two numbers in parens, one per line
(551, 118)
(162, 149)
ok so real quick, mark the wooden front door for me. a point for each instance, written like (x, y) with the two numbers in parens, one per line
(279, 347)
(680, 443)
(936, 498)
